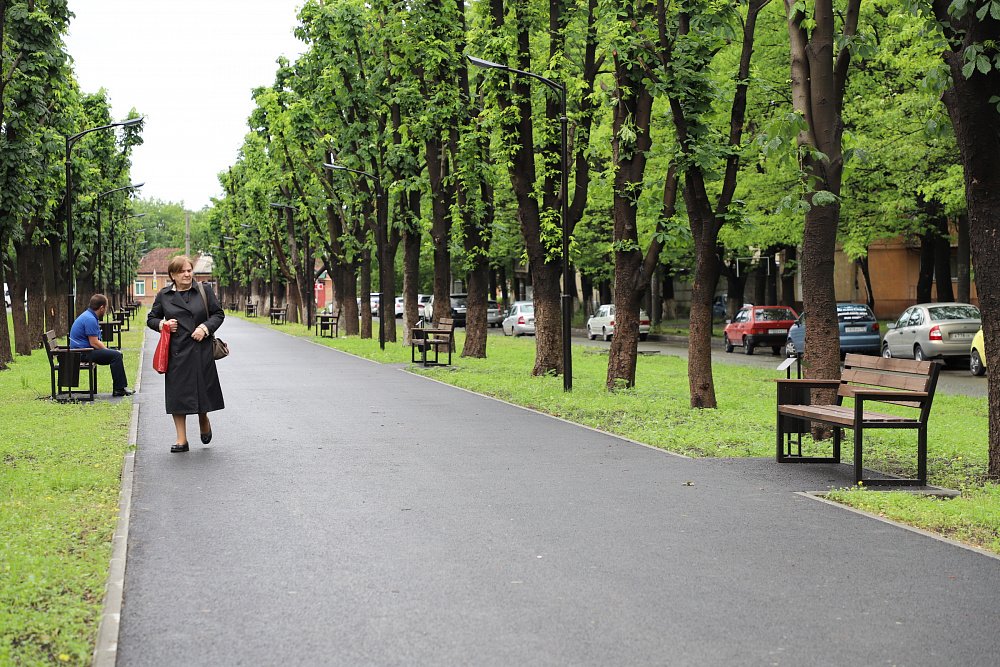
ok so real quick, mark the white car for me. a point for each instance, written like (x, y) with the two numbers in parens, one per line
(399, 306)
(494, 316)
(520, 319)
(603, 323)
(422, 301)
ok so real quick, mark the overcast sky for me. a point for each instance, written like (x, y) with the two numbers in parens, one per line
(189, 66)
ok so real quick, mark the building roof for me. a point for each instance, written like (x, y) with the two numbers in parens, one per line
(157, 260)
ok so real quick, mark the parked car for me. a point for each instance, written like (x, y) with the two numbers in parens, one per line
(933, 331)
(456, 311)
(977, 355)
(520, 320)
(759, 326)
(494, 316)
(422, 301)
(859, 331)
(398, 306)
(602, 323)
(719, 307)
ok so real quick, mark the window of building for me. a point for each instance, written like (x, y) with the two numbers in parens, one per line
(140, 288)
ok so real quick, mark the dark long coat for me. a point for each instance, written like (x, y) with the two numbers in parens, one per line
(192, 381)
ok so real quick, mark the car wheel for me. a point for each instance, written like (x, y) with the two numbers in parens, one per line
(643, 336)
(504, 330)
(918, 353)
(747, 346)
(590, 334)
(976, 364)
(886, 352)
(729, 346)
(604, 335)
(789, 348)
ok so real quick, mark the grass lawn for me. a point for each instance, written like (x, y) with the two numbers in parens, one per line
(656, 412)
(60, 480)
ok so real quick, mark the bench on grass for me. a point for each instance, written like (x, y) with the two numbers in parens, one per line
(279, 315)
(65, 365)
(864, 379)
(327, 325)
(436, 338)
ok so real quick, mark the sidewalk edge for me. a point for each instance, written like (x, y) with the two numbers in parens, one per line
(106, 647)
(818, 496)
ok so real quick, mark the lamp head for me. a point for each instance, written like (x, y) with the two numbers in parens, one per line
(479, 62)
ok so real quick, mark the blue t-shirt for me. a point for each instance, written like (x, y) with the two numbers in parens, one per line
(84, 326)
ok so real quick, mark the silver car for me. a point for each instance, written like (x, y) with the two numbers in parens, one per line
(494, 316)
(603, 323)
(933, 331)
(520, 319)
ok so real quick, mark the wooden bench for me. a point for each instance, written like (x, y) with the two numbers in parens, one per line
(251, 309)
(279, 315)
(123, 316)
(432, 339)
(65, 366)
(864, 379)
(327, 325)
(110, 329)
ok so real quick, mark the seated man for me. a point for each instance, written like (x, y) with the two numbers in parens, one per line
(86, 332)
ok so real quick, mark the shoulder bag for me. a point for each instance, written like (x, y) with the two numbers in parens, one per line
(220, 349)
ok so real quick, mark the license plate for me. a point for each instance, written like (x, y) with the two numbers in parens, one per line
(777, 331)
(854, 329)
(961, 336)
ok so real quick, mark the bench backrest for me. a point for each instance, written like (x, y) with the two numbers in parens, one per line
(864, 371)
(446, 323)
(49, 341)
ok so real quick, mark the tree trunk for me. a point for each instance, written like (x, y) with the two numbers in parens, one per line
(942, 261)
(366, 293)
(411, 275)
(789, 269)
(925, 275)
(963, 266)
(977, 132)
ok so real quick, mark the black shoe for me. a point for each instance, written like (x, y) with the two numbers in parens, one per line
(206, 437)
(175, 448)
(122, 392)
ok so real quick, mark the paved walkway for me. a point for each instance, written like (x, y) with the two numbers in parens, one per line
(349, 513)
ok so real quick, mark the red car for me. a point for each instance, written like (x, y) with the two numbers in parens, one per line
(757, 326)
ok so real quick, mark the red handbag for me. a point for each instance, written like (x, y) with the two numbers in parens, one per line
(162, 354)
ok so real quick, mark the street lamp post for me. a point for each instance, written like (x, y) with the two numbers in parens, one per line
(382, 224)
(100, 251)
(566, 298)
(70, 255)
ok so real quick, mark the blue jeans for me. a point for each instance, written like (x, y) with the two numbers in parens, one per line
(113, 358)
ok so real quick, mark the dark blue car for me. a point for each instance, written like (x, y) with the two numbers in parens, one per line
(859, 331)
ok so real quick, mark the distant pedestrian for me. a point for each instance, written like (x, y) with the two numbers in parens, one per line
(86, 332)
(192, 381)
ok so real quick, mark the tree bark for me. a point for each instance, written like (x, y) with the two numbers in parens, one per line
(974, 118)
(925, 274)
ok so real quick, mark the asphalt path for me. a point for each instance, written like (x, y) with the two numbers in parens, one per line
(350, 513)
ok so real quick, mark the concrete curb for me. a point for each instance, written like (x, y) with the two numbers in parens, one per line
(106, 647)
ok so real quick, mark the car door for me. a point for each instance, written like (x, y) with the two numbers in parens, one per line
(912, 332)
(894, 337)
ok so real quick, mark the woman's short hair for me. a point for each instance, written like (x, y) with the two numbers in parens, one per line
(177, 265)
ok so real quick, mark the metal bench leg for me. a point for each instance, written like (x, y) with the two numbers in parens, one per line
(858, 467)
(922, 455)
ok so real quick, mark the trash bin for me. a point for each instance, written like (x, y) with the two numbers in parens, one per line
(69, 368)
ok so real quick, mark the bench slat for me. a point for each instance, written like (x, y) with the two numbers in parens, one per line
(889, 380)
(842, 415)
(887, 364)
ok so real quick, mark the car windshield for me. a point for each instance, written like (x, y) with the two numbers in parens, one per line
(773, 314)
(956, 312)
(527, 308)
(458, 302)
(854, 312)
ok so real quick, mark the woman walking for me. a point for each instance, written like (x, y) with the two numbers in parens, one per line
(193, 314)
